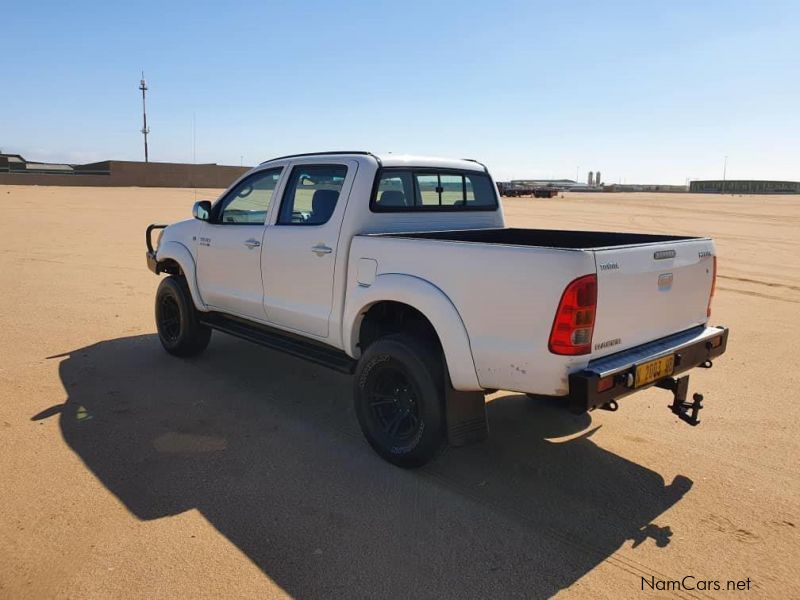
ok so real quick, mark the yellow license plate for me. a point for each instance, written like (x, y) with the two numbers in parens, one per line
(655, 369)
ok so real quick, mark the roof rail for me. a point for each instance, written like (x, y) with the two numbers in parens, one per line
(477, 162)
(362, 152)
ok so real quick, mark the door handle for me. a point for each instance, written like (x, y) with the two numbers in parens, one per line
(321, 249)
(251, 243)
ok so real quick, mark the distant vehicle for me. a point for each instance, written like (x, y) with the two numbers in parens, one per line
(517, 190)
(400, 270)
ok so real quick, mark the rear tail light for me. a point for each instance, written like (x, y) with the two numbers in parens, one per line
(574, 323)
(713, 287)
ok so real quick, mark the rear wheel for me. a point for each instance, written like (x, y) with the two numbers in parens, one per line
(179, 329)
(399, 399)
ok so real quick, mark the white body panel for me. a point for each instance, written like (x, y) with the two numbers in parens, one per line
(506, 297)
(299, 263)
(229, 269)
(492, 305)
(634, 307)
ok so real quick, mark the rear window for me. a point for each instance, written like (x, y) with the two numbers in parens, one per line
(401, 190)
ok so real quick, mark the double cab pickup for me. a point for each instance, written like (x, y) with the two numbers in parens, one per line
(400, 270)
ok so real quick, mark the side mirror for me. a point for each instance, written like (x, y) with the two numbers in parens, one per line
(201, 210)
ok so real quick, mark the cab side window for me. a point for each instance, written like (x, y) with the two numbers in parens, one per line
(395, 190)
(248, 202)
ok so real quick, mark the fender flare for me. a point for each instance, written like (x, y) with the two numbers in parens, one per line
(180, 254)
(428, 299)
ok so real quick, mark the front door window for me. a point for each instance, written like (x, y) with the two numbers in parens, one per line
(248, 202)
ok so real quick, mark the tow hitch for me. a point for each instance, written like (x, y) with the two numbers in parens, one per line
(686, 411)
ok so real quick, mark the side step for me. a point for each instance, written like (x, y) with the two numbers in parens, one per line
(283, 341)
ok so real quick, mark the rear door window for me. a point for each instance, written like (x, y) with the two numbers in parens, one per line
(311, 195)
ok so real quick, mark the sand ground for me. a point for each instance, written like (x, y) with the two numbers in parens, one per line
(242, 473)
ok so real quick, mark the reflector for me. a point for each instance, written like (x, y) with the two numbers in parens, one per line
(605, 383)
(713, 287)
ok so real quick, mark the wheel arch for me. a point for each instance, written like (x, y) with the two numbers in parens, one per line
(416, 296)
(172, 255)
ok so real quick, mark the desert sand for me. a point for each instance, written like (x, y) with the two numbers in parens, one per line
(242, 473)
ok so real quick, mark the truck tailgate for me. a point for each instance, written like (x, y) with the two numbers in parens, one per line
(647, 292)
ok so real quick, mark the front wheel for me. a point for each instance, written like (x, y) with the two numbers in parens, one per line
(399, 399)
(179, 330)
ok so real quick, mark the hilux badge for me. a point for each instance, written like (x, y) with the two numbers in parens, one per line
(665, 281)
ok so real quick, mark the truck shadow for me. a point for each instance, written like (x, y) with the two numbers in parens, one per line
(267, 448)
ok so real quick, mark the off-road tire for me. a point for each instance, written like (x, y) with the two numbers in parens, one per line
(389, 366)
(179, 329)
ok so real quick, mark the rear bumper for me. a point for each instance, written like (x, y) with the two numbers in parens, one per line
(692, 348)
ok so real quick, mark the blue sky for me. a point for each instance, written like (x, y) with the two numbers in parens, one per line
(644, 91)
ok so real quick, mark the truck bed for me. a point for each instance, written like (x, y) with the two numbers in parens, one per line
(545, 238)
(506, 284)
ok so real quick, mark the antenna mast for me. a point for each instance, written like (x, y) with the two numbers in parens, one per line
(145, 129)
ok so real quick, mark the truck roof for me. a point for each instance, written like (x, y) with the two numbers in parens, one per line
(396, 160)
(408, 160)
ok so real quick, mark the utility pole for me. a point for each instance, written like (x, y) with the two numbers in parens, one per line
(724, 172)
(145, 129)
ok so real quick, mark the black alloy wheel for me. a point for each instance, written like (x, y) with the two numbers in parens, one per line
(394, 404)
(168, 317)
(179, 328)
(399, 399)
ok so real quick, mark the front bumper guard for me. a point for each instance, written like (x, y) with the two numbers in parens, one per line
(152, 262)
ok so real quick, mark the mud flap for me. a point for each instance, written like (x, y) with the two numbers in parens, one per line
(466, 416)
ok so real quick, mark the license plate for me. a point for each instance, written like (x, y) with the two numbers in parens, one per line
(655, 369)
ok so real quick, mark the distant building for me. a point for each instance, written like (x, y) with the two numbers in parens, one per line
(744, 186)
(644, 187)
(558, 184)
(590, 181)
(597, 179)
(570, 185)
(16, 163)
(16, 170)
(565, 183)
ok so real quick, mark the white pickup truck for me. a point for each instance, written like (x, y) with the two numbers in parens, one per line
(400, 269)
